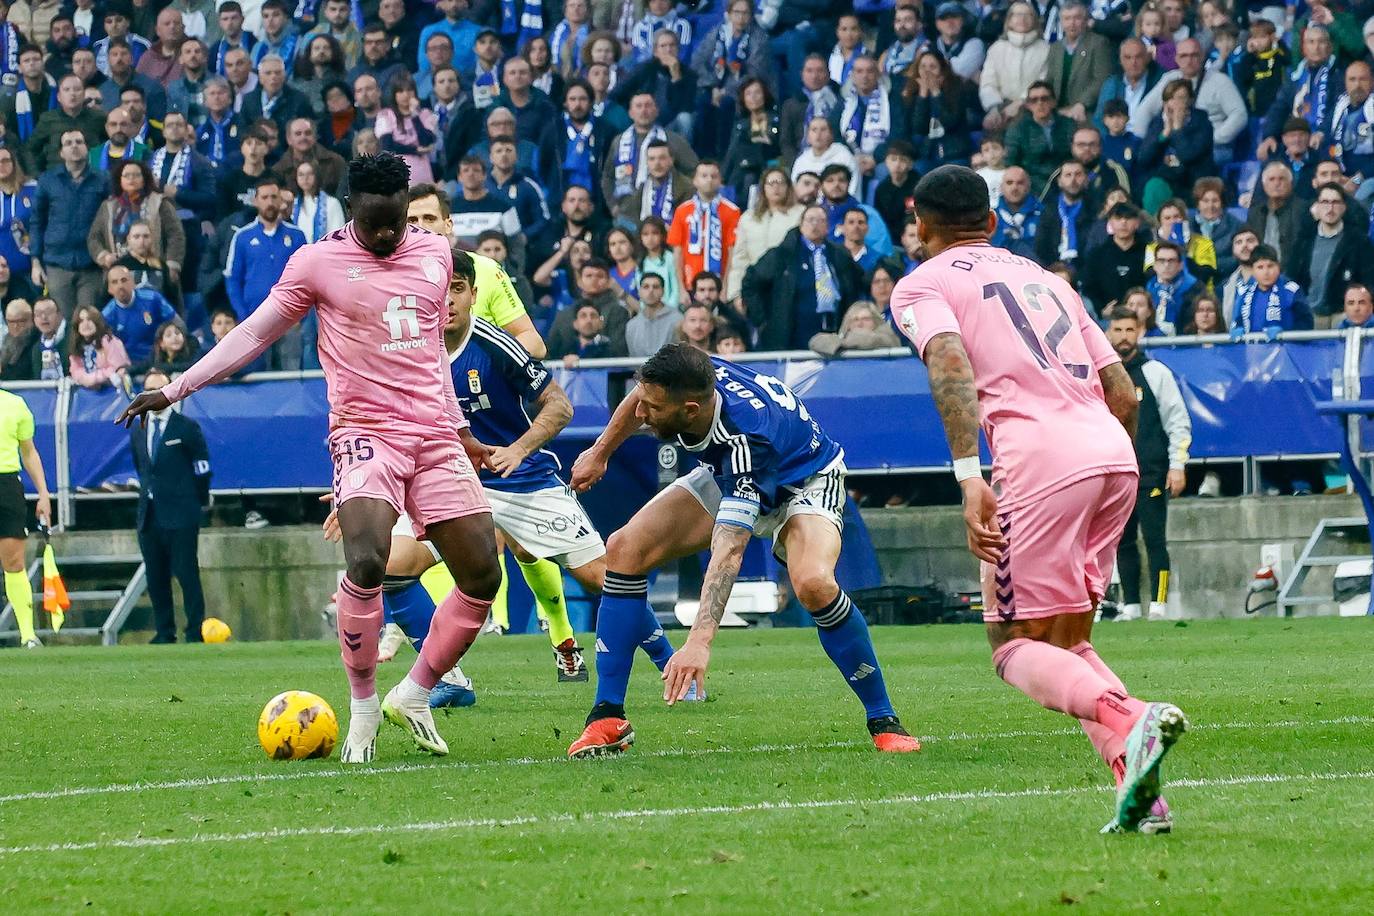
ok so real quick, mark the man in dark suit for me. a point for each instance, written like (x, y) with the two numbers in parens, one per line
(173, 468)
(1079, 63)
(802, 287)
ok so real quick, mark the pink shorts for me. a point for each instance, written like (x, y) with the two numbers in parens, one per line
(1061, 549)
(429, 479)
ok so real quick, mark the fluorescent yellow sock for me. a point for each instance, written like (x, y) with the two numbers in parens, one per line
(545, 579)
(20, 593)
(500, 607)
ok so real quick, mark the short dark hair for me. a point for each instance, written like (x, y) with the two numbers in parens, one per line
(26, 48)
(1042, 84)
(230, 6)
(277, 4)
(596, 264)
(492, 235)
(268, 180)
(680, 369)
(1171, 246)
(464, 266)
(506, 139)
(650, 275)
(135, 88)
(384, 174)
(1122, 313)
(713, 277)
(472, 160)
(902, 147)
(1116, 108)
(954, 197)
(836, 168)
(425, 189)
(1264, 253)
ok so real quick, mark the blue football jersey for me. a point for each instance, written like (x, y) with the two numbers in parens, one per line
(492, 377)
(763, 444)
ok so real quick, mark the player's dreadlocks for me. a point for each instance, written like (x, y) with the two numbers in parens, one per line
(384, 174)
(680, 369)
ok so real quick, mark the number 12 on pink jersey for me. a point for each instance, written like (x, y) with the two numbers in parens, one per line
(1032, 293)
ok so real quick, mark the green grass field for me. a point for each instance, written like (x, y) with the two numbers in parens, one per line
(133, 782)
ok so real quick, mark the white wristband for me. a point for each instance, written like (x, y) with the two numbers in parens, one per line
(967, 468)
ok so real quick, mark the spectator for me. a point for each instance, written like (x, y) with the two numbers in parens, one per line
(588, 341)
(134, 314)
(162, 61)
(278, 35)
(867, 115)
(1212, 92)
(1297, 154)
(863, 328)
(143, 262)
(234, 191)
(763, 227)
(175, 349)
(341, 121)
(659, 16)
(17, 193)
(1102, 174)
(1017, 59)
(1172, 288)
(624, 265)
(656, 322)
(44, 148)
(500, 122)
(1163, 434)
(485, 85)
(534, 113)
(303, 145)
(817, 99)
(367, 98)
(823, 151)
(697, 328)
(1277, 218)
(133, 197)
(1138, 75)
(1200, 256)
(476, 209)
(1118, 264)
(892, 196)
(707, 289)
(936, 103)
(1120, 147)
(849, 47)
(258, 253)
(238, 72)
(880, 286)
(729, 343)
(1263, 67)
(1063, 232)
(578, 223)
(594, 283)
(582, 143)
(508, 181)
(33, 96)
(1328, 256)
(314, 212)
(96, 357)
(1139, 301)
(1359, 307)
(17, 356)
(122, 78)
(607, 110)
(231, 35)
(801, 287)
(321, 63)
(186, 93)
(991, 163)
(50, 345)
(198, 17)
(727, 57)
(626, 165)
(703, 229)
(337, 24)
(1018, 214)
(187, 181)
(493, 244)
(659, 258)
(1310, 92)
(1348, 130)
(755, 139)
(405, 128)
(63, 43)
(65, 207)
(665, 77)
(275, 100)
(1243, 245)
(853, 228)
(1041, 138)
(1079, 63)
(1206, 317)
(1151, 30)
(1271, 303)
(1178, 146)
(120, 146)
(14, 285)
(956, 43)
(559, 275)
(1214, 222)
(379, 60)
(547, 79)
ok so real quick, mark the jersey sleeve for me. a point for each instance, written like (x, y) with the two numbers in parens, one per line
(501, 302)
(1100, 352)
(23, 421)
(747, 479)
(521, 371)
(922, 310)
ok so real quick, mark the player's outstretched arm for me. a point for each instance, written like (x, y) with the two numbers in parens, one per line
(1119, 391)
(590, 466)
(689, 663)
(555, 413)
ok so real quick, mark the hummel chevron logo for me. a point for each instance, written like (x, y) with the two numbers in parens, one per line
(865, 669)
(354, 641)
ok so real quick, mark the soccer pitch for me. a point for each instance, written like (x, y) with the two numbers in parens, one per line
(133, 782)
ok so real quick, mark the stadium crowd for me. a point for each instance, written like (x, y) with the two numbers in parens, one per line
(732, 173)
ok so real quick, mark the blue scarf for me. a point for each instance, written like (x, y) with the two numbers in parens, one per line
(90, 357)
(1016, 225)
(223, 47)
(1068, 230)
(1169, 297)
(23, 109)
(578, 153)
(318, 224)
(705, 235)
(562, 34)
(1267, 302)
(827, 290)
(1313, 94)
(530, 23)
(105, 155)
(212, 136)
(9, 48)
(730, 57)
(846, 63)
(660, 202)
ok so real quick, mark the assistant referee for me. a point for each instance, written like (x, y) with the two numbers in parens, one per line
(16, 447)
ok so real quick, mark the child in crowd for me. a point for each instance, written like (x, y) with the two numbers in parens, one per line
(991, 164)
(1272, 302)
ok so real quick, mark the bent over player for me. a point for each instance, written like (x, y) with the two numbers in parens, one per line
(767, 467)
(397, 437)
(1000, 334)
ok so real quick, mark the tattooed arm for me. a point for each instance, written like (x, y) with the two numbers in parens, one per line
(956, 397)
(1119, 391)
(555, 412)
(688, 664)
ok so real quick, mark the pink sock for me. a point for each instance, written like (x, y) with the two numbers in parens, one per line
(456, 623)
(360, 627)
(1055, 678)
(1108, 743)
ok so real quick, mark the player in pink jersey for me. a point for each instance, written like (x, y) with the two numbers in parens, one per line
(398, 440)
(1001, 335)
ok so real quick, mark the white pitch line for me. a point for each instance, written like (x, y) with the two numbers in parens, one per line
(204, 782)
(657, 813)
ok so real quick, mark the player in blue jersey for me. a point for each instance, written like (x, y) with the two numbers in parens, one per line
(767, 467)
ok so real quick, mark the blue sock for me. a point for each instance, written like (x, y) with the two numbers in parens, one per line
(844, 636)
(657, 646)
(623, 623)
(410, 607)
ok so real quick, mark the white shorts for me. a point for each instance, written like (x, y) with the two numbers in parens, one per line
(820, 494)
(405, 528)
(548, 523)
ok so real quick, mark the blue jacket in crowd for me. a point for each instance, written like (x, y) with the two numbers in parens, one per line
(63, 211)
(255, 263)
(136, 324)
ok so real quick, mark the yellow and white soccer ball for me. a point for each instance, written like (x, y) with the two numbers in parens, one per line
(297, 725)
(212, 629)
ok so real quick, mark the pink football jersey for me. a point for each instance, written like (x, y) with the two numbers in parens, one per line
(381, 331)
(1035, 355)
